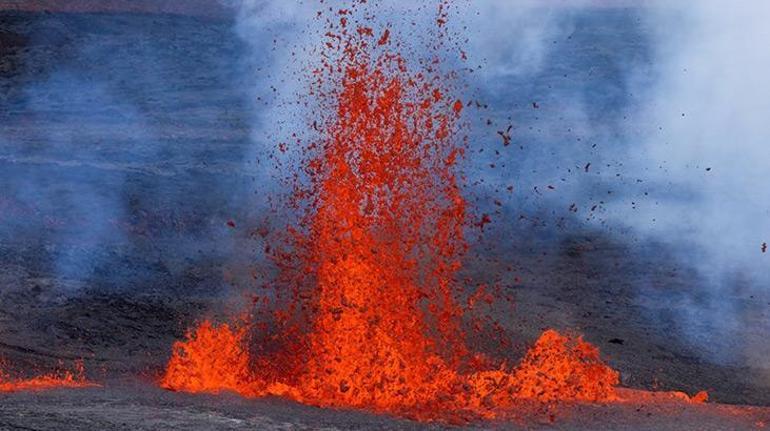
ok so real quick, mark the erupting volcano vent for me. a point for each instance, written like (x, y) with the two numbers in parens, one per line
(374, 322)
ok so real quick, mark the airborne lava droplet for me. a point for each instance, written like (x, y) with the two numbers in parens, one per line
(458, 106)
(485, 219)
(384, 39)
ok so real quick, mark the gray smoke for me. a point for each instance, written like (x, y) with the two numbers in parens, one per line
(704, 139)
(703, 130)
(666, 101)
(123, 150)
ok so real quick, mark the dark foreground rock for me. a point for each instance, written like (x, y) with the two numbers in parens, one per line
(135, 406)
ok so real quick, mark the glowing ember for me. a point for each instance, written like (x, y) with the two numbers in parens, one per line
(63, 379)
(379, 245)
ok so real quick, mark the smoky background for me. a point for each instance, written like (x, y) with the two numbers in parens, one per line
(642, 122)
(138, 154)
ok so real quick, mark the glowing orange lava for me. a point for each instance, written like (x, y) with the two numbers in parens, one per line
(380, 244)
(213, 359)
(556, 368)
(561, 368)
(62, 379)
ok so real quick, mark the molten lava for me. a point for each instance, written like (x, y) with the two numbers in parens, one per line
(556, 368)
(561, 368)
(380, 243)
(62, 379)
(213, 359)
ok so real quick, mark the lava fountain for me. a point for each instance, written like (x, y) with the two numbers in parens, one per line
(373, 322)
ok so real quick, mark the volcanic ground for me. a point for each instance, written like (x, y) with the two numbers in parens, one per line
(147, 113)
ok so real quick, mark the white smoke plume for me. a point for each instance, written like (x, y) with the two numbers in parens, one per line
(705, 140)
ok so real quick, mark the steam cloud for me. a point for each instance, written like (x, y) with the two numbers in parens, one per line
(704, 140)
(704, 131)
(675, 118)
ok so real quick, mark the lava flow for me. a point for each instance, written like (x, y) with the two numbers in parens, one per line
(62, 379)
(380, 244)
